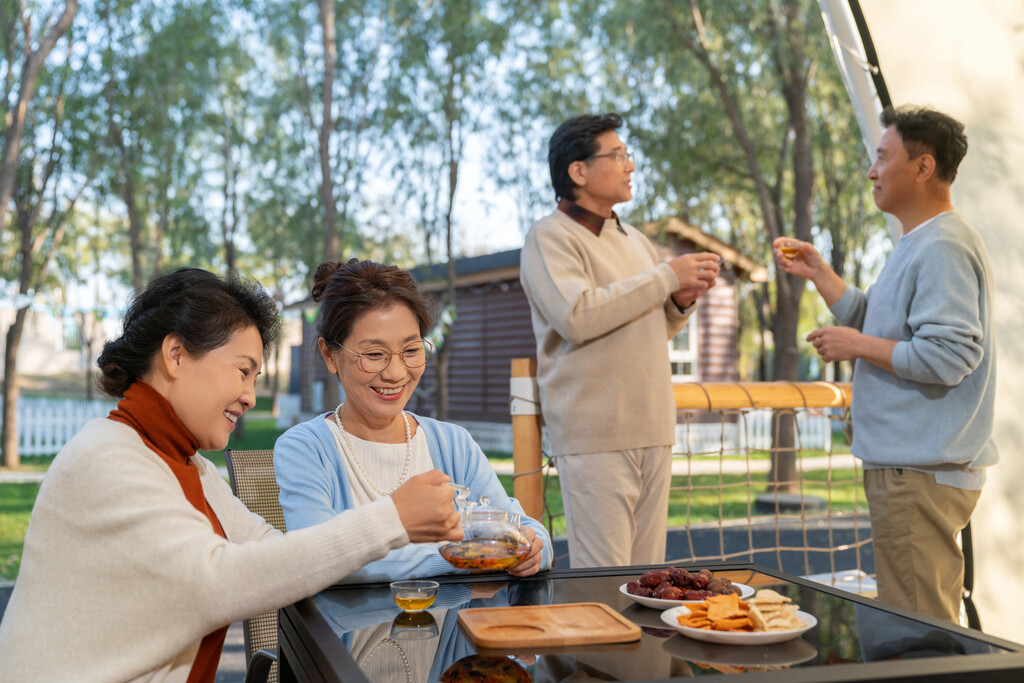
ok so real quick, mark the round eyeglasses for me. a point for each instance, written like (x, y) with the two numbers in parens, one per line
(377, 358)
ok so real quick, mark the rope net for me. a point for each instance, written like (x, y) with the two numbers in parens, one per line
(773, 486)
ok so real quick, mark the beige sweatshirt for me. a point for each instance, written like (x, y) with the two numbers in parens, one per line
(122, 577)
(602, 314)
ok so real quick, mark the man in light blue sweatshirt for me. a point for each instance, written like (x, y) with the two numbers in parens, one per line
(924, 383)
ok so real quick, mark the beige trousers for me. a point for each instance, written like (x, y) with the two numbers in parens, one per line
(616, 506)
(915, 523)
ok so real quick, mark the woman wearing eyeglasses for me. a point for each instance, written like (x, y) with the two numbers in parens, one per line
(372, 325)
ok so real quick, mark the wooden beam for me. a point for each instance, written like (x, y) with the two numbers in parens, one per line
(736, 395)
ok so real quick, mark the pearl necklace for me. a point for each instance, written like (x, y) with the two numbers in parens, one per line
(355, 459)
(394, 644)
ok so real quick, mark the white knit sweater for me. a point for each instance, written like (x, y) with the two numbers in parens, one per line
(122, 577)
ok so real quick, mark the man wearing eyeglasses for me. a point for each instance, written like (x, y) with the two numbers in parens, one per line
(603, 309)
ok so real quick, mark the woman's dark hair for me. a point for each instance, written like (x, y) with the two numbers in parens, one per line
(202, 309)
(575, 140)
(348, 291)
(926, 131)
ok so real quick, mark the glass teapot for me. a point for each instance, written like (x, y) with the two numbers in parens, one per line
(492, 537)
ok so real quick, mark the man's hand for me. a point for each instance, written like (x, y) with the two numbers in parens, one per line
(426, 507)
(836, 343)
(803, 260)
(696, 274)
(530, 564)
(847, 343)
(796, 258)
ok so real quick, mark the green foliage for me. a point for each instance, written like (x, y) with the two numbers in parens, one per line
(196, 123)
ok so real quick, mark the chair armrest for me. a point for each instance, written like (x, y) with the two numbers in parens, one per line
(258, 670)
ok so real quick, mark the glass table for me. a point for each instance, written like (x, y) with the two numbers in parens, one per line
(356, 633)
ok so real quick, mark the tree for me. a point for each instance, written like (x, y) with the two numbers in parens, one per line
(15, 116)
(438, 85)
(161, 61)
(44, 188)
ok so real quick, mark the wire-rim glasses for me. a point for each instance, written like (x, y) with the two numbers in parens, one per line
(377, 358)
(621, 157)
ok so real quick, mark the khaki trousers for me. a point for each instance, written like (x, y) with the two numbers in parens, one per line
(914, 527)
(616, 506)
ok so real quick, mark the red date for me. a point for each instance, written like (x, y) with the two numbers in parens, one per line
(677, 583)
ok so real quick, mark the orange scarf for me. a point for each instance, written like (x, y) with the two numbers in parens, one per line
(148, 413)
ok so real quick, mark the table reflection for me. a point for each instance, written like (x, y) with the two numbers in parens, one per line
(390, 645)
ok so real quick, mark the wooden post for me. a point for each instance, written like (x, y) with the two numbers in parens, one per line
(526, 436)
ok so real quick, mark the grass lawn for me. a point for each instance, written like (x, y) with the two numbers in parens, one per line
(703, 499)
(15, 505)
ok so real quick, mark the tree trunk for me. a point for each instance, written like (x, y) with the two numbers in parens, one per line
(791, 65)
(332, 240)
(34, 61)
(444, 389)
(11, 457)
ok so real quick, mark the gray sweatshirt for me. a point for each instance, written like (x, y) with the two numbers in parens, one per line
(935, 414)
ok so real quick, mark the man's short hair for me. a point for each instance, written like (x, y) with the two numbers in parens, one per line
(926, 131)
(576, 140)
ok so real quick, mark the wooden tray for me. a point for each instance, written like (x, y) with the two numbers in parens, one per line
(546, 625)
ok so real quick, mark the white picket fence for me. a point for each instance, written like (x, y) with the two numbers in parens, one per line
(46, 424)
(752, 430)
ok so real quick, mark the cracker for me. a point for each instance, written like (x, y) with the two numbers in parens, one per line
(768, 596)
(725, 607)
(757, 619)
(737, 624)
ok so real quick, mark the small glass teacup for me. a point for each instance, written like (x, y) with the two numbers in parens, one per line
(414, 595)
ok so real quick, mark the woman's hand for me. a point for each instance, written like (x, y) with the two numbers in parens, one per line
(427, 509)
(530, 564)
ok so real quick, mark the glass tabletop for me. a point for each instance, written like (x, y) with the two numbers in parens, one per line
(389, 645)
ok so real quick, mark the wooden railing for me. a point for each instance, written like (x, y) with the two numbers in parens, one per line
(528, 485)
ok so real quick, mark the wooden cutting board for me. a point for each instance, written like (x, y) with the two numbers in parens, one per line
(546, 625)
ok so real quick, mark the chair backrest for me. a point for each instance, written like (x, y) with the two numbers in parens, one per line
(253, 482)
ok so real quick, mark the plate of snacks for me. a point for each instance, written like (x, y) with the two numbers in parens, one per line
(664, 588)
(763, 619)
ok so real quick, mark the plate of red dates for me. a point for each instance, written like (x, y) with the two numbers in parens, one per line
(667, 588)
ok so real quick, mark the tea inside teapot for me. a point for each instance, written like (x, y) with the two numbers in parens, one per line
(492, 538)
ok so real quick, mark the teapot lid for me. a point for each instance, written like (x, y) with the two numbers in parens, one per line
(476, 514)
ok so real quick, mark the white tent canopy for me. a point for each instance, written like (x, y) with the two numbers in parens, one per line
(966, 59)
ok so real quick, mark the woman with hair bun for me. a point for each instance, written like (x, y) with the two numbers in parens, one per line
(372, 326)
(137, 555)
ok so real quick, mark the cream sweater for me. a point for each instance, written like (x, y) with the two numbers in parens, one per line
(122, 577)
(602, 315)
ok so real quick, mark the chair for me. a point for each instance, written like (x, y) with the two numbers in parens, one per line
(253, 482)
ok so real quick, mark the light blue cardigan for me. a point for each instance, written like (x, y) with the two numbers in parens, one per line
(315, 488)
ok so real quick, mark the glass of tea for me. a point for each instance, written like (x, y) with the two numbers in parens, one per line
(414, 596)
(789, 251)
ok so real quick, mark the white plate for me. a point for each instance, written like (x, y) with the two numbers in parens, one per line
(671, 616)
(657, 603)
